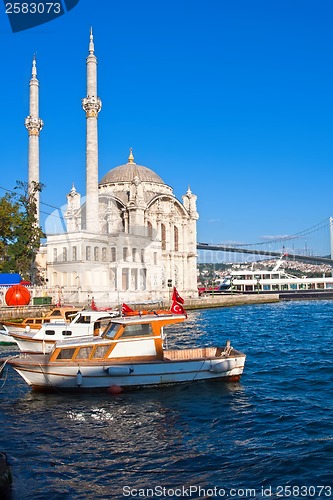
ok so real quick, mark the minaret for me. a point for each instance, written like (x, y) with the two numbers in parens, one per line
(92, 106)
(34, 125)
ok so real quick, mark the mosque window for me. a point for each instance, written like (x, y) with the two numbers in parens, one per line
(142, 255)
(125, 278)
(113, 254)
(88, 253)
(155, 258)
(64, 254)
(134, 254)
(74, 253)
(163, 236)
(96, 253)
(176, 238)
(150, 230)
(55, 255)
(104, 254)
(125, 254)
(134, 279)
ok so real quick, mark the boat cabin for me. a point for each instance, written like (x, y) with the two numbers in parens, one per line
(126, 338)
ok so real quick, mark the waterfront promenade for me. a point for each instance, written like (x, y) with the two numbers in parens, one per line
(206, 302)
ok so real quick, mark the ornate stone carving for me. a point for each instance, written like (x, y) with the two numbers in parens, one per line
(33, 125)
(92, 106)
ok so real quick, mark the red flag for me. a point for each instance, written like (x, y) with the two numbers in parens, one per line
(126, 309)
(176, 297)
(177, 308)
(93, 305)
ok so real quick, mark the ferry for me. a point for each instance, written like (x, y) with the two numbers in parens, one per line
(275, 281)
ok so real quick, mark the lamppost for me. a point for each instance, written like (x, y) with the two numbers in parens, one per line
(78, 288)
(169, 286)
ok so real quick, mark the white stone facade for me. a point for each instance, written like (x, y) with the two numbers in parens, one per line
(144, 237)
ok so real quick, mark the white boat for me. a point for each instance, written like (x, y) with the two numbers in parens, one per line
(130, 354)
(275, 281)
(61, 314)
(84, 323)
(5, 336)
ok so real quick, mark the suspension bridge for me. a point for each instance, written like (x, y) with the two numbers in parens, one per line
(286, 245)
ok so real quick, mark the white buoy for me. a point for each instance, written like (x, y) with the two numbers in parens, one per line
(79, 378)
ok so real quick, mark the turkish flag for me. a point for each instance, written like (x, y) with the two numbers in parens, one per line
(176, 297)
(177, 308)
(126, 309)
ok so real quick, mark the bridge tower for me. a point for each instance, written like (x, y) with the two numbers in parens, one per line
(331, 236)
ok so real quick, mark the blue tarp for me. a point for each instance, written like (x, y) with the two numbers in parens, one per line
(9, 279)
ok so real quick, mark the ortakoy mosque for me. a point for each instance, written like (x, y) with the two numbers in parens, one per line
(130, 238)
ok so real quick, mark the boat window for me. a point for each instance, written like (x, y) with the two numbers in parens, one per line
(104, 323)
(66, 353)
(284, 287)
(275, 277)
(266, 276)
(111, 331)
(56, 312)
(100, 351)
(84, 353)
(69, 315)
(320, 285)
(275, 287)
(266, 287)
(137, 330)
(293, 286)
(302, 286)
(84, 319)
(49, 332)
(29, 321)
(39, 321)
(66, 333)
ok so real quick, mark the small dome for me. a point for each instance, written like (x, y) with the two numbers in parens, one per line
(127, 173)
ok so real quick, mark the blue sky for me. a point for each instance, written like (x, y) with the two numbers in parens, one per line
(233, 98)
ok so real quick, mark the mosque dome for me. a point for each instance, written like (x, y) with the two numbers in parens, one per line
(128, 171)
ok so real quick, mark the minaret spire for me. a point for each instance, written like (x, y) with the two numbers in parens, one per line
(34, 125)
(91, 42)
(92, 106)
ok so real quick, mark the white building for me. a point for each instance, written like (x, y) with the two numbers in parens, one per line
(130, 237)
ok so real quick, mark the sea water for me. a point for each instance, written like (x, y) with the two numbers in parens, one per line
(269, 436)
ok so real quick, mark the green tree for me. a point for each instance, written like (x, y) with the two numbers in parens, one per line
(21, 234)
(9, 220)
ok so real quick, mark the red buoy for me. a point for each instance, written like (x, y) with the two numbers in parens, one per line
(115, 389)
(17, 295)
